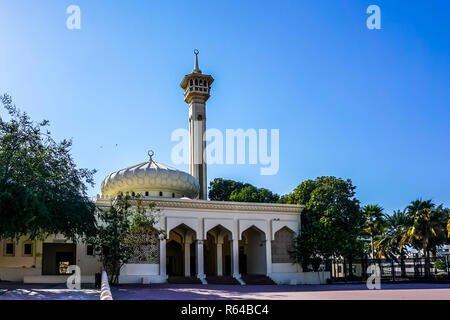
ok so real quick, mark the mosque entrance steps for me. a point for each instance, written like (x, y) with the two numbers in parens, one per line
(183, 280)
(253, 279)
(257, 279)
(221, 280)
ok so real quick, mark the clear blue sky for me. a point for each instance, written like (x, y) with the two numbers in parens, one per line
(370, 105)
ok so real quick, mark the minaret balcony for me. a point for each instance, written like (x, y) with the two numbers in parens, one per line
(196, 86)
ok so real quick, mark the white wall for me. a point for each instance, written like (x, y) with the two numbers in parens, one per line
(285, 267)
(17, 274)
(133, 269)
(19, 260)
(89, 265)
(15, 268)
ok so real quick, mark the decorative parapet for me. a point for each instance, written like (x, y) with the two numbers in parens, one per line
(213, 205)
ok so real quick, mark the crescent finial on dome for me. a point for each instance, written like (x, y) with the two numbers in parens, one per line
(151, 153)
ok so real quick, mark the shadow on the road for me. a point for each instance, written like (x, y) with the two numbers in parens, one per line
(20, 291)
(235, 292)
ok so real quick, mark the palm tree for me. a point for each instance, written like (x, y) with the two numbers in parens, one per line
(427, 229)
(373, 215)
(388, 243)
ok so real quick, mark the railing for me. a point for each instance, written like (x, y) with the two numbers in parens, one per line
(407, 269)
(105, 292)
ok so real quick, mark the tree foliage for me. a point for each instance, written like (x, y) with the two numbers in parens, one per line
(427, 228)
(123, 228)
(373, 222)
(220, 189)
(230, 190)
(388, 240)
(422, 227)
(253, 194)
(42, 191)
(331, 223)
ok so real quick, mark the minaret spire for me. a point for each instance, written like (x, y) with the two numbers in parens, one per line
(197, 87)
(196, 68)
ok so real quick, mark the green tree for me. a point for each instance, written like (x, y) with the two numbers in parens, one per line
(220, 189)
(440, 265)
(42, 191)
(427, 228)
(230, 190)
(388, 243)
(374, 223)
(122, 227)
(331, 222)
(252, 194)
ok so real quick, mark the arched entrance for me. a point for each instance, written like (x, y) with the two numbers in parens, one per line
(217, 252)
(180, 252)
(252, 252)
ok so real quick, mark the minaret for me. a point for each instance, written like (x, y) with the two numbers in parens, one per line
(196, 88)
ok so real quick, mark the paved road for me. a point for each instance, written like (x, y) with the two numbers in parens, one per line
(19, 291)
(325, 292)
(16, 291)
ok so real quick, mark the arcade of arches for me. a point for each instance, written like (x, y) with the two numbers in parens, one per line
(182, 251)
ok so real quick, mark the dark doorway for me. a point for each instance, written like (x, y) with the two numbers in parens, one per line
(227, 266)
(242, 261)
(193, 265)
(174, 258)
(56, 257)
(170, 266)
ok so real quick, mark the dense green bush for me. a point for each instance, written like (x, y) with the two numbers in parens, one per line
(440, 265)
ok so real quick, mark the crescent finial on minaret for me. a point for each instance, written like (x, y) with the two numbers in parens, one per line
(196, 68)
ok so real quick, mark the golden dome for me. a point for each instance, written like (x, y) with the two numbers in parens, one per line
(151, 179)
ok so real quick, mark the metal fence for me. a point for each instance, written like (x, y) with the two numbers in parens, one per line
(407, 269)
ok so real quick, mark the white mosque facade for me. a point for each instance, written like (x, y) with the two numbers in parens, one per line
(202, 240)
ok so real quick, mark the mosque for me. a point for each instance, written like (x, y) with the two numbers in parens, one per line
(203, 241)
